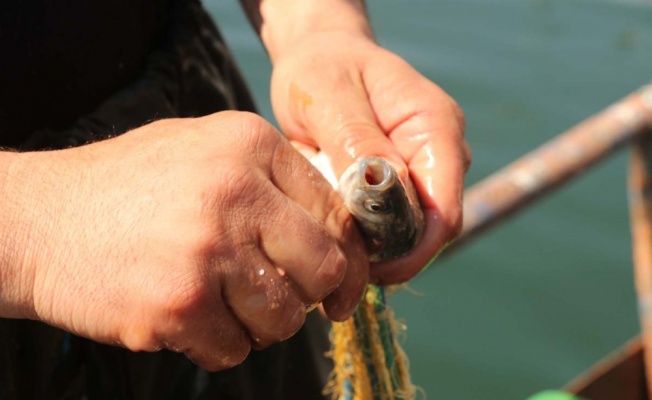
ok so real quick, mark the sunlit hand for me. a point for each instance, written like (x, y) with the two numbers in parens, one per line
(343, 94)
(206, 236)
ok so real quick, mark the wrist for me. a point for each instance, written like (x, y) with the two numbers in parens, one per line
(285, 23)
(17, 235)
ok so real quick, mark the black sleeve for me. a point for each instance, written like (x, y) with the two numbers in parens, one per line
(190, 73)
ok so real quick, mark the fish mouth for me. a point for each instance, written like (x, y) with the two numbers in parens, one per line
(376, 173)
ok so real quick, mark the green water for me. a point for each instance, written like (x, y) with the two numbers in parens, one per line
(536, 301)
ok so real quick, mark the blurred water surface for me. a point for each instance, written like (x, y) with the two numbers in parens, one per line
(536, 301)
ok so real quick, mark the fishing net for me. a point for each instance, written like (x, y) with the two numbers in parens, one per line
(369, 361)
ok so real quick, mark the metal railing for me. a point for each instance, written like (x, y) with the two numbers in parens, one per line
(503, 194)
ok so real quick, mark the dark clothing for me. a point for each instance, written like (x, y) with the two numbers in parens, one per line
(76, 71)
(62, 58)
(41, 362)
(146, 60)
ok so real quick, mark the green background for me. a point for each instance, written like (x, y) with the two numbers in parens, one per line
(535, 302)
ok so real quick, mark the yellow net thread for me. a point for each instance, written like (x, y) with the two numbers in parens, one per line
(369, 363)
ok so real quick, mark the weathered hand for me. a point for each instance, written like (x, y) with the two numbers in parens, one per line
(207, 236)
(343, 94)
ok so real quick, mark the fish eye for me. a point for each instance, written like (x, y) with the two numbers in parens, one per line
(374, 206)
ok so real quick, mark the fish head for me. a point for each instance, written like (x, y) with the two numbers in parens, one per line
(388, 216)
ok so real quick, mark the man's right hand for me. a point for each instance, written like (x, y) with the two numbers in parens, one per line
(207, 236)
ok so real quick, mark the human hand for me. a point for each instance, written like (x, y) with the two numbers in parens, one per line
(340, 92)
(207, 236)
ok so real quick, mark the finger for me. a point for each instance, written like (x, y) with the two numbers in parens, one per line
(342, 124)
(309, 252)
(269, 151)
(411, 142)
(293, 174)
(199, 324)
(426, 126)
(220, 344)
(297, 179)
(263, 300)
(300, 246)
(428, 132)
(343, 301)
(437, 165)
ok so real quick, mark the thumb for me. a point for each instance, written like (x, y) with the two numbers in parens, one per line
(343, 124)
(349, 131)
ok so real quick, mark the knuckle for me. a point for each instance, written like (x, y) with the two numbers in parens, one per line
(253, 122)
(239, 186)
(237, 181)
(180, 302)
(256, 134)
(450, 109)
(458, 112)
(170, 313)
(240, 129)
(140, 338)
(460, 120)
(358, 135)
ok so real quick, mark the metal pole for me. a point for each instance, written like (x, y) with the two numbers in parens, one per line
(640, 201)
(555, 163)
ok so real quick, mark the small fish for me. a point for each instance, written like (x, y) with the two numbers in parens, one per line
(386, 211)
